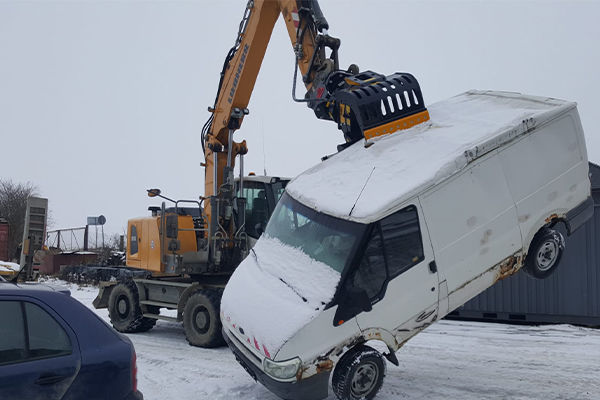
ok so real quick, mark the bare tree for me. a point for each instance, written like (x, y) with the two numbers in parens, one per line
(13, 206)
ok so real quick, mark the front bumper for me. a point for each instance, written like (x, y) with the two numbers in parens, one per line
(312, 388)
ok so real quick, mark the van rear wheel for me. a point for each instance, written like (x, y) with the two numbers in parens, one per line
(359, 374)
(544, 253)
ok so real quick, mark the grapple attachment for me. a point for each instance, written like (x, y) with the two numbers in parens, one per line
(372, 104)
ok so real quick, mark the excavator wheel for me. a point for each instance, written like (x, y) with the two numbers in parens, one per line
(201, 321)
(124, 309)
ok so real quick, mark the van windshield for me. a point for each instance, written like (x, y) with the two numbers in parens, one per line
(322, 237)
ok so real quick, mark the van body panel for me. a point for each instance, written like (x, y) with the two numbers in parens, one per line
(557, 187)
(318, 337)
(473, 224)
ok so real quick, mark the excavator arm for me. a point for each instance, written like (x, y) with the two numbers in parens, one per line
(363, 104)
(241, 68)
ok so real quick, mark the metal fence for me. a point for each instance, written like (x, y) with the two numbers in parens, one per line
(72, 239)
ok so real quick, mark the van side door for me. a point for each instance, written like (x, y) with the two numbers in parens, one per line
(473, 227)
(395, 271)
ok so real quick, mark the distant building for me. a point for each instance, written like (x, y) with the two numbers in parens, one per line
(571, 295)
(4, 240)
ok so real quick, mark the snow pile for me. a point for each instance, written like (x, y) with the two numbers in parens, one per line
(363, 184)
(275, 291)
(6, 266)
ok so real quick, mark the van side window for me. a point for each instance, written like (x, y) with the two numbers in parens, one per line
(371, 273)
(402, 240)
(133, 242)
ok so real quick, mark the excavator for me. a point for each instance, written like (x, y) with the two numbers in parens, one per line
(181, 257)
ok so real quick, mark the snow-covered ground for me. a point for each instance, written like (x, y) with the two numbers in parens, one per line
(449, 360)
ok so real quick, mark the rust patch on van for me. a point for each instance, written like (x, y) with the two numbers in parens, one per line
(374, 335)
(505, 268)
(324, 366)
(509, 266)
(550, 218)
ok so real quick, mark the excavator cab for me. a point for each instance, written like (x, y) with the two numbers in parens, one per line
(262, 194)
(185, 248)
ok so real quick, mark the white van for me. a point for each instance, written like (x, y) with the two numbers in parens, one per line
(387, 237)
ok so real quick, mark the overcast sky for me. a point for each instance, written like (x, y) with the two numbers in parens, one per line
(100, 100)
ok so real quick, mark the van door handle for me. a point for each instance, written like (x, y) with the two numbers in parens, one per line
(49, 379)
(432, 267)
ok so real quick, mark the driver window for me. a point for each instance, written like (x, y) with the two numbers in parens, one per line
(402, 240)
(371, 273)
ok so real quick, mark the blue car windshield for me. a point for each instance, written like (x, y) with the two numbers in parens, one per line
(322, 237)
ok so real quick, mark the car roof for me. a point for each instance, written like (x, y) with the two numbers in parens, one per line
(30, 288)
(366, 183)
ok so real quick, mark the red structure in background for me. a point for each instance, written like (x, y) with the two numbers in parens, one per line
(4, 240)
(52, 262)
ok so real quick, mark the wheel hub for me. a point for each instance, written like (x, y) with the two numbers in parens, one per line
(122, 307)
(201, 320)
(364, 380)
(546, 256)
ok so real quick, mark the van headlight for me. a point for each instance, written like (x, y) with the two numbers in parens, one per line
(282, 369)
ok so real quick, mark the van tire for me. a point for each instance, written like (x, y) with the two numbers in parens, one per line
(544, 254)
(124, 309)
(201, 320)
(359, 374)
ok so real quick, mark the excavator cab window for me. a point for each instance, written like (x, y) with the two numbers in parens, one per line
(257, 208)
(278, 188)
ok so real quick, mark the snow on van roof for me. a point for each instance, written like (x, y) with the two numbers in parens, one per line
(366, 183)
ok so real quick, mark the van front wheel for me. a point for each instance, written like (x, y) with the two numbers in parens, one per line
(359, 374)
(544, 253)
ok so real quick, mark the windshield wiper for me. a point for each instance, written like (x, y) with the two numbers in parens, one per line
(294, 290)
(281, 279)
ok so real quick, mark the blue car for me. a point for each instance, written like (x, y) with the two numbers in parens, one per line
(53, 347)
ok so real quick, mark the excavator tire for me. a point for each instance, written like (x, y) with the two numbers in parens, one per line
(201, 321)
(124, 309)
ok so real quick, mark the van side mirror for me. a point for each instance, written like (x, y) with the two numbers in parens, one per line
(172, 226)
(352, 302)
